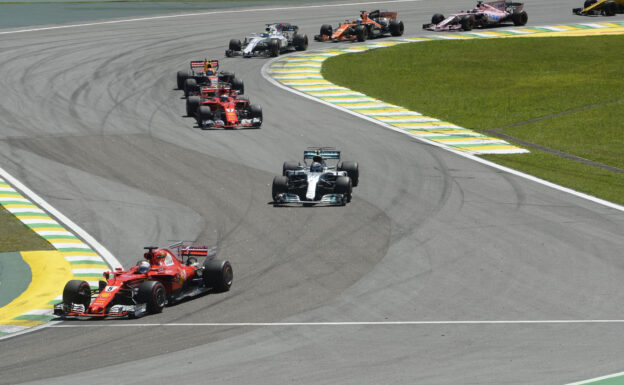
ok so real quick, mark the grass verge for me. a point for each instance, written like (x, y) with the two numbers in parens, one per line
(16, 236)
(564, 93)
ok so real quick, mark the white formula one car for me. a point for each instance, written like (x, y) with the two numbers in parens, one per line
(278, 38)
(316, 183)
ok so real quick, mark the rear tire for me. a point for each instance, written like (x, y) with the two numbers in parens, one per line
(300, 42)
(396, 28)
(519, 18)
(153, 294)
(77, 291)
(279, 186)
(589, 2)
(609, 8)
(218, 275)
(467, 23)
(437, 18)
(289, 166)
(238, 85)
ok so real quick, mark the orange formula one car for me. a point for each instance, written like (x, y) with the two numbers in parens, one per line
(370, 25)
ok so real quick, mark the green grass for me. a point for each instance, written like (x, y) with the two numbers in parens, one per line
(572, 86)
(16, 236)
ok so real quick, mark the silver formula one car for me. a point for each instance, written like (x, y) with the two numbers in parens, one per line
(317, 182)
(277, 38)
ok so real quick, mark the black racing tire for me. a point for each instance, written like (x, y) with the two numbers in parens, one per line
(344, 186)
(241, 97)
(467, 22)
(437, 18)
(396, 28)
(181, 78)
(203, 113)
(519, 18)
(274, 47)
(192, 104)
(218, 275)
(352, 169)
(238, 85)
(153, 294)
(326, 30)
(280, 186)
(77, 291)
(226, 76)
(235, 45)
(255, 111)
(289, 166)
(300, 42)
(609, 8)
(190, 85)
(361, 32)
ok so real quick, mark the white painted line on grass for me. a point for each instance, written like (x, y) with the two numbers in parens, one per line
(591, 380)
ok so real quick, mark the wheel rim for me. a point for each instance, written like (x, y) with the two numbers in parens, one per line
(159, 297)
(228, 275)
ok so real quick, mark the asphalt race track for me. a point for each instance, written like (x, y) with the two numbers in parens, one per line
(90, 120)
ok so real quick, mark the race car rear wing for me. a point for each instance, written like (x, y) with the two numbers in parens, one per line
(196, 251)
(324, 152)
(195, 64)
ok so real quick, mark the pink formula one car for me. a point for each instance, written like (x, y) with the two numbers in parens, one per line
(483, 15)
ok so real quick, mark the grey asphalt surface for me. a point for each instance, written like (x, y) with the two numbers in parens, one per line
(90, 120)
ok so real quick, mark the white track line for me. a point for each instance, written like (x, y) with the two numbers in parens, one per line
(201, 14)
(267, 76)
(364, 323)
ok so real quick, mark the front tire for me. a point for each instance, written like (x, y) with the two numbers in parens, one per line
(326, 30)
(192, 104)
(280, 186)
(78, 292)
(344, 187)
(235, 45)
(181, 78)
(274, 48)
(361, 33)
(353, 171)
(467, 23)
(437, 18)
(153, 294)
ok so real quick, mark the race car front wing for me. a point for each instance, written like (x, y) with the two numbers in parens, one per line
(327, 199)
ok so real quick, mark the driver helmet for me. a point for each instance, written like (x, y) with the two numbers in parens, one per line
(143, 268)
(316, 167)
(359, 20)
(224, 98)
(210, 72)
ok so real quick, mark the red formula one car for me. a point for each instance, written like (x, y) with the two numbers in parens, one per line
(483, 15)
(206, 74)
(224, 111)
(370, 25)
(161, 278)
